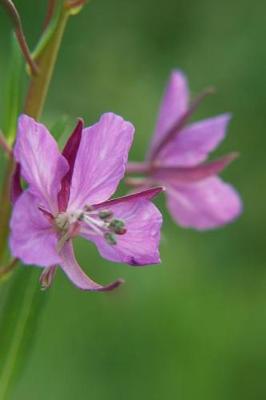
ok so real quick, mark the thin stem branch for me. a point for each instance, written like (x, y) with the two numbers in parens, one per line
(49, 13)
(15, 17)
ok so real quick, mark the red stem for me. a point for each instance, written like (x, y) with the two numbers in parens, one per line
(15, 17)
(49, 13)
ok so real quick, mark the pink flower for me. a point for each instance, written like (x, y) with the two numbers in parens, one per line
(68, 194)
(196, 196)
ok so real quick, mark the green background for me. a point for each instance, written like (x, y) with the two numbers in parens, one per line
(193, 327)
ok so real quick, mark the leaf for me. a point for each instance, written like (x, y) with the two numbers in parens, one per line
(21, 304)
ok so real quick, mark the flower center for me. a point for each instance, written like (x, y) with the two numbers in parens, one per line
(100, 223)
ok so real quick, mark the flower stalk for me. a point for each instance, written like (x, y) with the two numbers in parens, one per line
(50, 12)
(45, 59)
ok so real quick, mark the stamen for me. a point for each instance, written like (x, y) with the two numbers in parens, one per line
(110, 238)
(117, 226)
(88, 208)
(94, 221)
(100, 223)
(105, 214)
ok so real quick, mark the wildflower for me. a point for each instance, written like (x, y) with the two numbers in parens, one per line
(67, 196)
(196, 196)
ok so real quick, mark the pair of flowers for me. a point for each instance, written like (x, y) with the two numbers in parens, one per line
(69, 192)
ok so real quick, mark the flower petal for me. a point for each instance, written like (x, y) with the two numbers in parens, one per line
(139, 245)
(147, 194)
(174, 104)
(192, 145)
(42, 165)
(101, 160)
(32, 238)
(70, 153)
(180, 175)
(77, 276)
(205, 204)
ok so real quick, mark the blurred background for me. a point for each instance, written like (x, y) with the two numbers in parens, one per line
(194, 326)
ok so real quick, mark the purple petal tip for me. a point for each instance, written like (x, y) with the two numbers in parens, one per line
(112, 285)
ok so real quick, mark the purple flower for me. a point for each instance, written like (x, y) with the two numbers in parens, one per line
(68, 194)
(196, 196)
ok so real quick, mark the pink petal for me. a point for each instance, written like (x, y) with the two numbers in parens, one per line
(139, 245)
(101, 160)
(147, 194)
(77, 276)
(174, 104)
(32, 239)
(193, 144)
(70, 153)
(206, 204)
(42, 165)
(179, 175)
(177, 127)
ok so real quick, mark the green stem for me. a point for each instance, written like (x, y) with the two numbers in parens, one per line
(5, 208)
(46, 62)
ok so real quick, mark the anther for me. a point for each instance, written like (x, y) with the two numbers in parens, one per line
(117, 226)
(88, 208)
(105, 214)
(110, 238)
